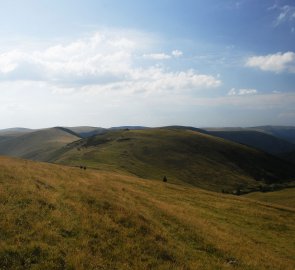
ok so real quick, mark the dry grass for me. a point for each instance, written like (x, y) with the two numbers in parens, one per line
(283, 197)
(56, 217)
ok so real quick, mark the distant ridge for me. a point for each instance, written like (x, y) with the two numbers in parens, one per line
(87, 131)
(37, 145)
(68, 131)
(259, 140)
(129, 127)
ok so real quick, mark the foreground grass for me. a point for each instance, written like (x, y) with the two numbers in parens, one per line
(55, 217)
(284, 197)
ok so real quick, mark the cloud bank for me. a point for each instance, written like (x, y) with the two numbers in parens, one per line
(278, 62)
(107, 60)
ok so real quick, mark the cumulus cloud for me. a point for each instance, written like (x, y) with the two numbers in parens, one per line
(106, 61)
(278, 62)
(242, 92)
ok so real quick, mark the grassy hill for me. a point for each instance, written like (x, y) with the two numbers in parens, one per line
(55, 217)
(283, 197)
(182, 155)
(37, 145)
(14, 131)
(256, 139)
(9, 133)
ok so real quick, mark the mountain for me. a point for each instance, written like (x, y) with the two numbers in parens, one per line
(284, 132)
(183, 156)
(13, 132)
(37, 145)
(58, 217)
(86, 131)
(128, 127)
(256, 139)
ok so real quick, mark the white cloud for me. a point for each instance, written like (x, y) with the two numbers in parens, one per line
(163, 56)
(278, 62)
(157, 56)
(286, 13)
(242, 92)
(106, 61)
(177, 53)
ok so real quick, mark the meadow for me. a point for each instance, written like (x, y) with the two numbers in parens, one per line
(58, 217)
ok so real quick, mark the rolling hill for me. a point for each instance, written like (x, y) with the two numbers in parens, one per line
(37, 145)
(13, 132)
(256, 139)
(57, 217)
(86, 131)
(284, 132)
(183, 156)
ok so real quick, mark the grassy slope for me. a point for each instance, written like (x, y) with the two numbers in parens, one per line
(55, 217)
(259, 140)
(284, 197)
(192, 157)
(38, 145)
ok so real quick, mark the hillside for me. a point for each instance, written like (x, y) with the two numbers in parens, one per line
(256, 139)
(284, 132)
(284, 197)
(56, 217)
(86, 131)
(182, 155)
(37, 145)
(289, 156)
(13, 132)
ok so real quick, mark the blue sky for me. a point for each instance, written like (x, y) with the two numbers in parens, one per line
(153, 63)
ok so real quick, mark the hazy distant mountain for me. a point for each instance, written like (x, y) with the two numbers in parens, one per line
(129, 127)
(37, 145)
(14, 131)
(260, 140)
(86, 131)
(283, 132)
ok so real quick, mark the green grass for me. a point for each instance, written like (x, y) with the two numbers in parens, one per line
(284, 197)
(183, 156)
(56, 217)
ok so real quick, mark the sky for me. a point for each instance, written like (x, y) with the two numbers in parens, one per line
(147, 62)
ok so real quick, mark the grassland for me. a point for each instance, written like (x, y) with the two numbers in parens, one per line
(184, 156)
(36, 145)
(283, 197)
(57, 217)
